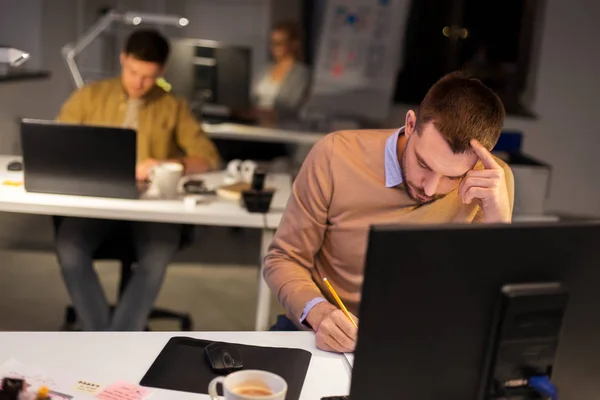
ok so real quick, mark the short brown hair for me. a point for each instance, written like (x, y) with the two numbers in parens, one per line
(148, 45)
(462, 108)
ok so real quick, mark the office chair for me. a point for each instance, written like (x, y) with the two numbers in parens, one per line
(119, 246)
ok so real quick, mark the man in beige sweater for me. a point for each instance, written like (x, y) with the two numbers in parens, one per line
(436, 169)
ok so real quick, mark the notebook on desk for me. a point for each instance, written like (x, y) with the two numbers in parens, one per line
(182, 366)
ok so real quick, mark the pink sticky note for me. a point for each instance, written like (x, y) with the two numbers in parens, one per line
(123, 391)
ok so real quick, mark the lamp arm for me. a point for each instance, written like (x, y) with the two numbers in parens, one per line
(71, 50)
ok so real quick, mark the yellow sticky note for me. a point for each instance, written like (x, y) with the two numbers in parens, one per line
(87, 387)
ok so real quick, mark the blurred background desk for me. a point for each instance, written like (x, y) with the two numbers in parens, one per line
(281, 149)
(215, 211)
(261, 134)
(104, 358)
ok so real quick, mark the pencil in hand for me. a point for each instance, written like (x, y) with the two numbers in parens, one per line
(339, 301)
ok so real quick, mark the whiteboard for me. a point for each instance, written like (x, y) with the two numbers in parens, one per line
(358, 57)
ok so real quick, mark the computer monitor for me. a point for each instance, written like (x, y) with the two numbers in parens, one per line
(434, 304)
(210, 73)
(216, 79)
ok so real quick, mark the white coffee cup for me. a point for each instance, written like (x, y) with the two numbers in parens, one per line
(166, 177)
(241, 385)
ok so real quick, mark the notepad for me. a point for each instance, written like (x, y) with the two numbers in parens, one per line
(233, 191)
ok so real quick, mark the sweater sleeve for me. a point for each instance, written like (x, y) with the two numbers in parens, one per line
(298, 239)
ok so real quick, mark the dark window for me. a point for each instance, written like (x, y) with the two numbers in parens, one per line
(493, 39)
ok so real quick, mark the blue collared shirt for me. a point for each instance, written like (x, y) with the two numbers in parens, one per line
(393, 178)
(393, 170)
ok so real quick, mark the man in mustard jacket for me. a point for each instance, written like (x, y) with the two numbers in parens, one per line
(166, 131)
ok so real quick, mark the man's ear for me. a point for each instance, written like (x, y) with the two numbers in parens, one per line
(410, 124)
(122, 58)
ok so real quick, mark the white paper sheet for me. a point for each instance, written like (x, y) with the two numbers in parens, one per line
(350, 358)
(335, 382)
(34, 377)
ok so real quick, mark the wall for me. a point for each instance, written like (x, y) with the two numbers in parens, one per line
(566, 133)
(286, 10)
(24, 35)
(38, 98)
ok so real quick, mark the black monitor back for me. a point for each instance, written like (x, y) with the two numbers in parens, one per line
(208, 72)
(79, 160)
(429, 298)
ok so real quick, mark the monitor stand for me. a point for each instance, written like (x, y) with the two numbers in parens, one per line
(524, 339)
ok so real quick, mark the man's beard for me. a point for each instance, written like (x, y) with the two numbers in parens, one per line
(414, 192)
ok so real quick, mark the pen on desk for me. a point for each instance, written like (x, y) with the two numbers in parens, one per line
(339, 301)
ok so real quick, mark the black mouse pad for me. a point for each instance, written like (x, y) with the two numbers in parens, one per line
(182, 366)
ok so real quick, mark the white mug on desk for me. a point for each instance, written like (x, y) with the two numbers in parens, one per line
(240, 171)
(165, 177)
(249, 385)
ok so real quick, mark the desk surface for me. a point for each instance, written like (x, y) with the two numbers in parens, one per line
(214, 211)
(261, 134)
(104, 358)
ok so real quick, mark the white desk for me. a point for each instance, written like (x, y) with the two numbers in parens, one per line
(261, 134)
(104, 358)
(215, 211)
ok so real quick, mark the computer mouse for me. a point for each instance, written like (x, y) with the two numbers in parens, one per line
(15, 166)
(223, 358)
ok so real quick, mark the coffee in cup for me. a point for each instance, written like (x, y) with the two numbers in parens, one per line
(249, 385)
(252, 390)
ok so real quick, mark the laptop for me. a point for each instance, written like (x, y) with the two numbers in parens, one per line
(80, 160)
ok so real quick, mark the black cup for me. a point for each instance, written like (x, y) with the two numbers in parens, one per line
(258, 201)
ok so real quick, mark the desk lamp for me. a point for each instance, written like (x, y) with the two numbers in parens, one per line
(71, 50)
(10, 57)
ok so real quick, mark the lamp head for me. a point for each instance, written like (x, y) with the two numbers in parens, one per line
(13, 57)
(136, 18)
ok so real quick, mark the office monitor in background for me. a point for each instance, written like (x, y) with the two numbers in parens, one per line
(216, 79)
(209, 73)
(79, 159)
(463, 312)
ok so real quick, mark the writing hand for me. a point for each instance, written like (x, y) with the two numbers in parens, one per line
(487, 186)
(334, 331)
